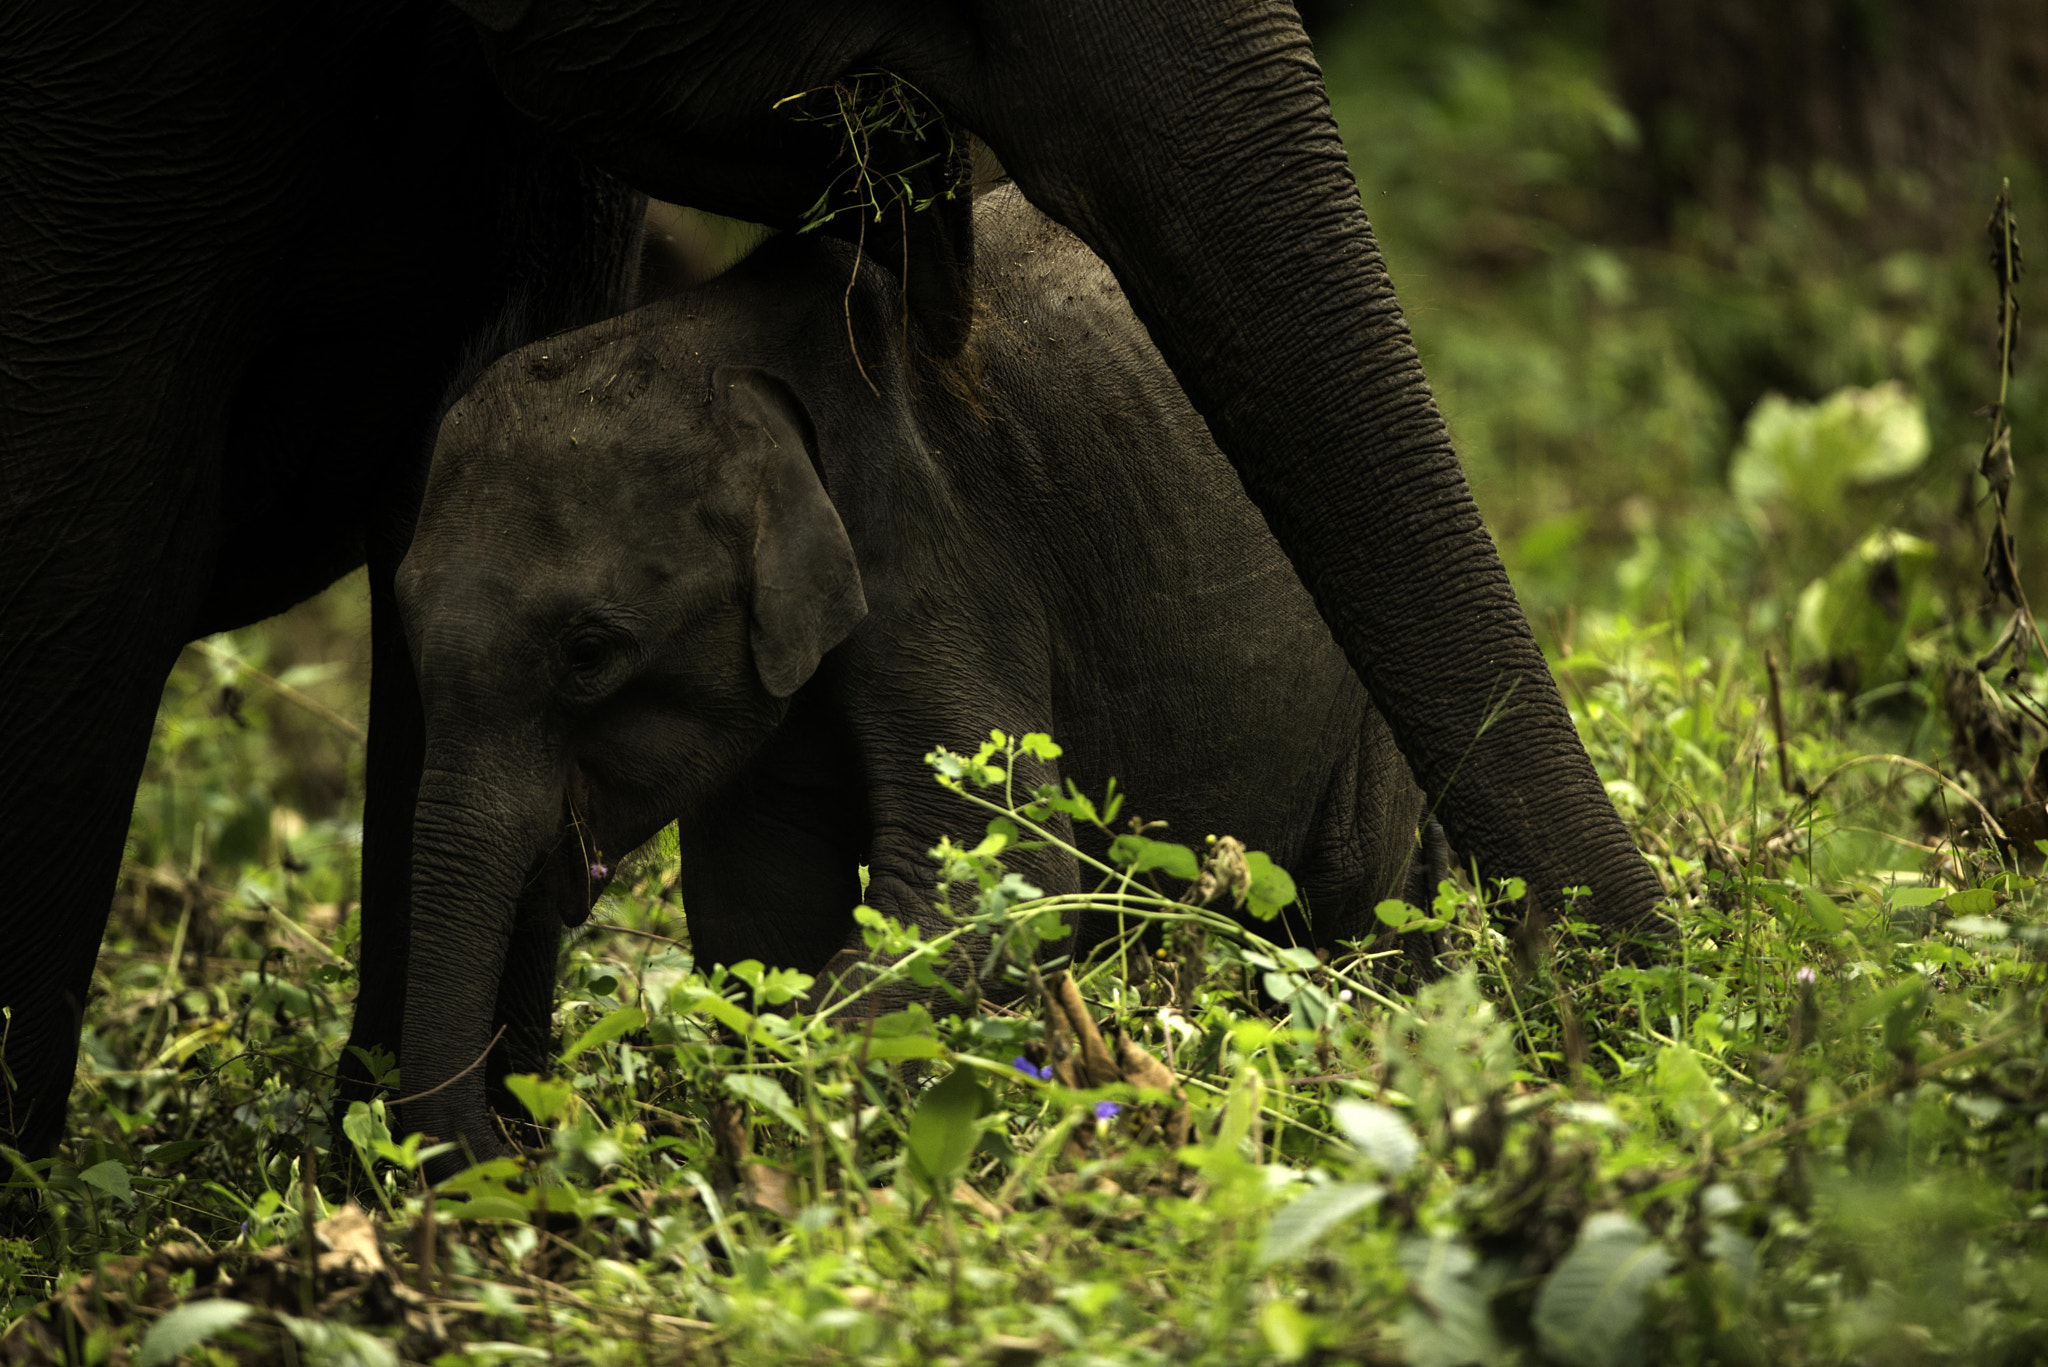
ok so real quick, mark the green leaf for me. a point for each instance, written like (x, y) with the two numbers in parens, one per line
(1039, 745)
(943, 1130)
(1591, 1310)
(1297, 1225)
(1380, 1133)
(1978, 927)
(1971, 902)
(1917, 897)
(1271, 887)
(1286, 1330)
(1281, 987)
(1395, 913)
(1906, 996)
(911, 1020)
(1824, 912)
(188, 1326)
(904, 1046)
(1452, 1326)
(543, 1098)
(766, 1093)
(609, 1027)
(174, 1150)
(110, 1177)
(487, 1208)
(364, 1126)
(1140, 855)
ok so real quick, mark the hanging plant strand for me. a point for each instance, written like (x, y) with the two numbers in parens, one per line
(868, 107)
(2001, 566)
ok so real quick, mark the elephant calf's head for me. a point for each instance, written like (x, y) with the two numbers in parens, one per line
(623, 567)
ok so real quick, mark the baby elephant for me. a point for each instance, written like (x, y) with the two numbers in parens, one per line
(740, 558)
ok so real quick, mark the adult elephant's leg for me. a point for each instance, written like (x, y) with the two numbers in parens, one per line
(1192, 146)
(553, 248)
(104, 540)
(391, 783)
(74, 731)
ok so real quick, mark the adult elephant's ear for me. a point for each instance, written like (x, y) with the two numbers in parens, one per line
(495, 15)
(807, 593)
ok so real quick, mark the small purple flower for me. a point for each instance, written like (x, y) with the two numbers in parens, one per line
(1805, 976)
(1107, 1110)
(600, 872)
(1030, 1069)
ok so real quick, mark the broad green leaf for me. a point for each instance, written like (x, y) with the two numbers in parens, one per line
(1297, 1225)
(1039, 745)
(486, 1208)
(331, 1341)
(1452, 1324)
(1907, 995)
(1825, 913)
(904, 1046)
(1970, 902)
(943, 1130)
(768, 1094)
(1140, 855)
(1592, 1307)
(491, 1174)
(188, 1326)
(365, 1126)
(1685, 1089)
(1286, 1330)
(1271, 887)
(173, 1151)
(1395, 912)
(543, 1098)
(1380, 1133)
(110, 1177)
(911, 1020)
(1917, 897)
(1800, 457)
(1978, 927)
(623, 1021)
(1281, 987)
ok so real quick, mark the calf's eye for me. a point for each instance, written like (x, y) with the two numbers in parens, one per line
(587, 653)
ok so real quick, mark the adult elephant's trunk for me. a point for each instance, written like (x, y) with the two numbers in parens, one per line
(480, 827)
(1192, 147)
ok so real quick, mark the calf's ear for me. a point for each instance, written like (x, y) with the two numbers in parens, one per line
(807, 594)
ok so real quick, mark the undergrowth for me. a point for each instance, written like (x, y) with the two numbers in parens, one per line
(1808, 1129)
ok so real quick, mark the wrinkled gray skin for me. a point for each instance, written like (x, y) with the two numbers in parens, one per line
(687, 564)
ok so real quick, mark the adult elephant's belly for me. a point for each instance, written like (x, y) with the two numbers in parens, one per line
(409, 222)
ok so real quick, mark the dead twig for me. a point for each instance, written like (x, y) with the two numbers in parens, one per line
(474, 1064)
(282, 690)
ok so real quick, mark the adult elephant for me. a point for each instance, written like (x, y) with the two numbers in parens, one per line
(167, 381)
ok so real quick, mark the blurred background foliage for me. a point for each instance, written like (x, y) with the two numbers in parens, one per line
(1636, 241)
